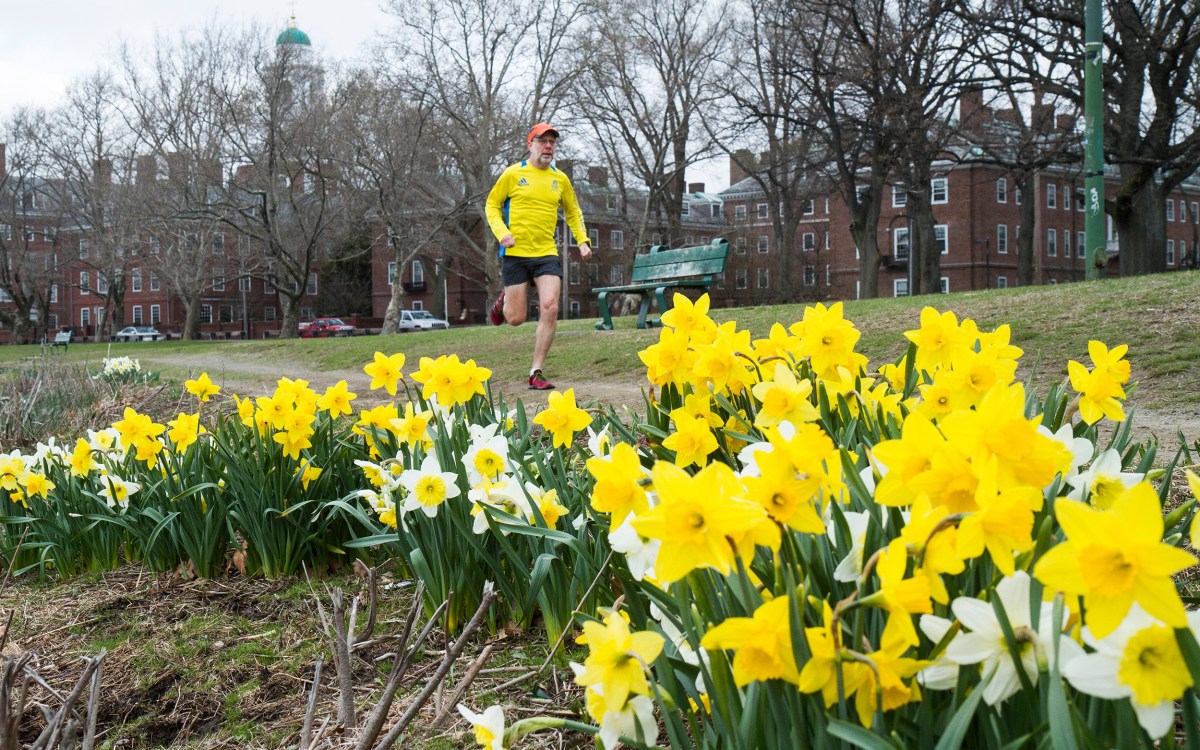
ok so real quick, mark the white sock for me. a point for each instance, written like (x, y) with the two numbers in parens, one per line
(532, 370)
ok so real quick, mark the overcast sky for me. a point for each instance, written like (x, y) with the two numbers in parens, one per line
(46, 44)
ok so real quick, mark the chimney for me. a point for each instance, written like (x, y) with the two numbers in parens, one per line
(741, 162)
(598, 176)
(3, 160)
(971, 112)
(176, 167)
(567, 167)
(244, 174)
(1064, 123)
(1008, 115)
(1043, 116)
(695, 187)
(102, 171)
(147, 170)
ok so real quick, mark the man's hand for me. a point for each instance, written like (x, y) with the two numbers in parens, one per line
(507, 241)
(585, 250)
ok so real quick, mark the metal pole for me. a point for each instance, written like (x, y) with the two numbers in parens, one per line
(1093, 152)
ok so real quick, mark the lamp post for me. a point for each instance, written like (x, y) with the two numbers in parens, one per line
(1093, 145)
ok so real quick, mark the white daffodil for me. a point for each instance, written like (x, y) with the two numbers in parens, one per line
(503, 494)
(1102, 482)
(634, 718)
(850, 566)
(1141, 661)
(693, 656)
(487, 455)
(117, 491)
(640, 553)
(1081, 449)
(985, 644)
(489, 726)
(428, 487)
(943, 673)
(599, 443)
(105, 441)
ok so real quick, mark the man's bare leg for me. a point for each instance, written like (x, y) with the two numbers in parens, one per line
(549, 287)
(516, 303)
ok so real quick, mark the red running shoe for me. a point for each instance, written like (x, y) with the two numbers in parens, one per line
(496, 314)
(539, 383)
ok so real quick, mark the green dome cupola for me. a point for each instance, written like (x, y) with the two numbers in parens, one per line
(293, 35)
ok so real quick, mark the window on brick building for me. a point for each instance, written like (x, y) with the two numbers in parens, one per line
(1051, 196)
(939, 190)
(899, 196)
(764, 278)
(1002, 239)
(1002, 190)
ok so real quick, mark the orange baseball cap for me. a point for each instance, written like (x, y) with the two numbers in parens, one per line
(539, 130)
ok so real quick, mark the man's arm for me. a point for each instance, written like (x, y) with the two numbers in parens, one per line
(574, 217)
(494, 208)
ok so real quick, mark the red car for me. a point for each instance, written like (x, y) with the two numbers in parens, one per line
(323, 327)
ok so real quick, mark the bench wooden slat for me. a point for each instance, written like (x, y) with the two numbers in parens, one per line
(662, 269)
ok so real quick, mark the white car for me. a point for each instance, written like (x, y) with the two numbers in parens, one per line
(420, 320)
(139, 333)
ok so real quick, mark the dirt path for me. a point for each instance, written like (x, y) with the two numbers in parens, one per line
(245, 374)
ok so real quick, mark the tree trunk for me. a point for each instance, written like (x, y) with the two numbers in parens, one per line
(1028, 230)
(923, 252)
(864, 228)
(1141, 228)
(290, 324)
(191, 316)
(391, 316)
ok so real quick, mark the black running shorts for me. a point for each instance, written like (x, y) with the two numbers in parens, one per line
(519, 270)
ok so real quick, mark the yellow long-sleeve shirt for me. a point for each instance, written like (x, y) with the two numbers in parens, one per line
(524, 203)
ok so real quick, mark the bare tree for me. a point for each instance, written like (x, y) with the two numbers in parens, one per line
(649, 68)
(1152, 93)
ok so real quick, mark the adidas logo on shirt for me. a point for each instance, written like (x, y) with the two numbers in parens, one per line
(523, 182)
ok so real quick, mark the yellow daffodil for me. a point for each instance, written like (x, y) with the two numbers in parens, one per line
(385, 371)
(82, 461)
(784, 399)
(617, 659)
(308, 474)
(36, 484)
(185, 430)
(689, 319)
(938, 340)
(336, 400)
(413, 427)
(1116, 557)
(135, 428)
(562, 418)
(762, 644)
(828, 340)
(671, 360)
(902, 597)
(202, 387)
(692, 439)
(695, 518)
(619, 479)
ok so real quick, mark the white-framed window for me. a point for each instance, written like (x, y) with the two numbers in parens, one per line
(1081, 244)
(941, 238)
(1195, 212)
(573, 273)
(764, 244)
(739, 245)
(573, 307)
(740, 279)
(218, 244)
(418, 304)
(939, 190)
(594, 236)
(191, 242)
(135, 280)
(137, 315)
(391, 272)
(1051, 195)
(764, 278)
(808, 241)
(1170, 209)
(810, 275)
(944, 285)
(899, 196)
(1002, 239)
(828, 275)
(53, 293)
(810, 207)
(827, 243)
(155, 314)
(1002, 190)
(616, 239)
(860, 195)
(739, 212)
(270, 313)
(85, 248)
(206, 314)
(155, 245)
(218, 279)
(616, 275)
(85, 316)
(763, 212)
(1170, 252)
(1018, 194)
(900, 243)
(899, 287)
(30, 234)
(1002, 282)
(418, 272)
(1079, 203)
(1066, 243)
(312, 283)
(686, 208)
(101, 283)
(155, 284)
(244, 283)
(716, 210)
(6, 232)
(225, 313)
(1051, 243)
(611, 203)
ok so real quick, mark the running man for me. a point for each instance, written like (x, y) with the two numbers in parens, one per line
(522, 211)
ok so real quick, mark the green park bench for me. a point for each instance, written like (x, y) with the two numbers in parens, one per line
(662, 269)
(62, 338)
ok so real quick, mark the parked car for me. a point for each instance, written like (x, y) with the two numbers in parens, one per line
(139, 333)
(324, 327)
(420, 320)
